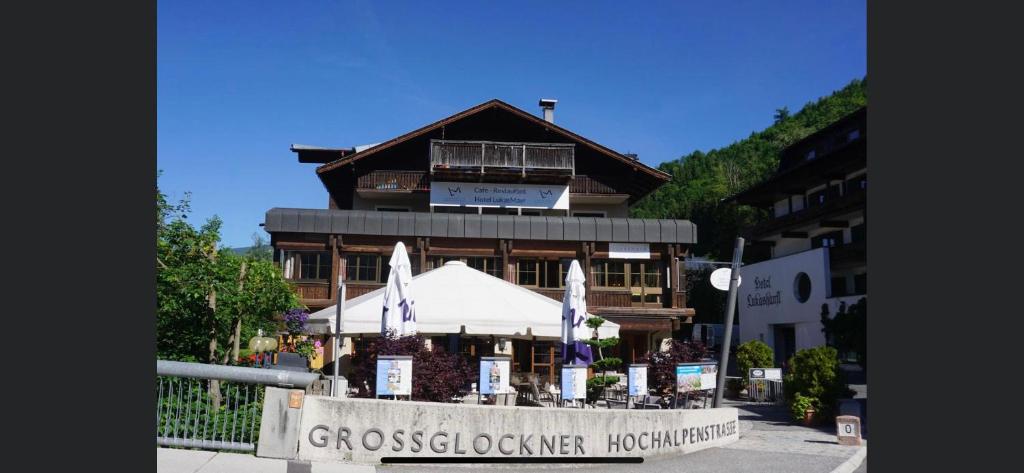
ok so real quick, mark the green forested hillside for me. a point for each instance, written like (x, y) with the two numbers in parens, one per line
(701, 180)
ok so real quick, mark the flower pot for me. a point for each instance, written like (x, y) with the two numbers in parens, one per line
(809, 418)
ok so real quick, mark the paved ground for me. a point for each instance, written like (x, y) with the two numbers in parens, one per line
(768, 443)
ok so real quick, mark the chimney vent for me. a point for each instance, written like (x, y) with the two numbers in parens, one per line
(548, 107)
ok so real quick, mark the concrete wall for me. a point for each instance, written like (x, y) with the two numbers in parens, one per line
(366, 430)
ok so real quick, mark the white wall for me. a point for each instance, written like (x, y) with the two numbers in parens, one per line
(781, 208)
(778, 277)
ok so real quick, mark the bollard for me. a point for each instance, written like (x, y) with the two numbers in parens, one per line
(848, 430)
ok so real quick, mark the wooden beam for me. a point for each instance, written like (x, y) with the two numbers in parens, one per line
(834, 224)
(794, 234)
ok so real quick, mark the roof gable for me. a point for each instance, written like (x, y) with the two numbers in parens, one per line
(476, 111)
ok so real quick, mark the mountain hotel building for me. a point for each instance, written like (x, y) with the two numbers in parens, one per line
(812, 253)
(508, 193)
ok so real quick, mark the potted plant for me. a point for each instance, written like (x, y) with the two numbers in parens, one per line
(803, 409)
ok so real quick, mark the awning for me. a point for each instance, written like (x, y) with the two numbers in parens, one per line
(458, 299)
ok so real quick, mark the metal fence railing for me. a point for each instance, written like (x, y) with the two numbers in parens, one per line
(215, 407)
(765, 390)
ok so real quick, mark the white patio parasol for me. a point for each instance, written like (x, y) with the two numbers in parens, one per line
(457, 299)
(399, 314)
(574, 313)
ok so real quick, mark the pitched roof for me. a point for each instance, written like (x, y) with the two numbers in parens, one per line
(494, 103)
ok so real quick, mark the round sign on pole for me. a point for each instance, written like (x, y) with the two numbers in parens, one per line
(720, 279)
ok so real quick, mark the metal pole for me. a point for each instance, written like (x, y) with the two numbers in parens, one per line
(730, 309)
(337, 336)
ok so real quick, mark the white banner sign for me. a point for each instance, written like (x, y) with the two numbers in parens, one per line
(478, 194)
(629, 250)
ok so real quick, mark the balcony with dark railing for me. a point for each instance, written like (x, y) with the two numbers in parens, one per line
(487, 157)
(419, 181)
(834, 206)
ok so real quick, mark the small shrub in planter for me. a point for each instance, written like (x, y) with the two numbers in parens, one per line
(753, 354)
(801, 407)
(814, 373)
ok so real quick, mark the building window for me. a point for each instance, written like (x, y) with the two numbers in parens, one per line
(314, 266)
(590, 214)
(542, 273)
(817, 198)
(391, 209)
(526, 272)
(608, 273)
(859, 183)
(811, 154)
(530, 212)
(838, 287)
(860, 284)
(859, 232)
(489, 265)
(853, 135)
(802, 287)
(364, 268)
(828, 240)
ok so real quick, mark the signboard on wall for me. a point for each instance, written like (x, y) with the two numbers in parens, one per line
(766, 373)
(696, 376)
(574, 382)
(394, 375)
(629, 250)
(480, 194)
(637, 380)
(494, 372)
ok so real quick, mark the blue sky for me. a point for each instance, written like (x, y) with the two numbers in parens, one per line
(239, 81)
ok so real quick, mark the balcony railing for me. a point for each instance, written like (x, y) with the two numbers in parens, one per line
(500, 156)
(835, 206)
(385, 180)
(404, 181)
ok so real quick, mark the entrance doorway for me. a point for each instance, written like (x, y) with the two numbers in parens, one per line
(785, 344)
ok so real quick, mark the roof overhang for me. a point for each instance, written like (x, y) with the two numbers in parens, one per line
(518, 227)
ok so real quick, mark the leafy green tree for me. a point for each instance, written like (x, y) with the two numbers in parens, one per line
(847, 331)
(208, 300)
(781, 114)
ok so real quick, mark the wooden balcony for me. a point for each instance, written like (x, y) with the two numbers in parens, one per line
(396, 181)
(419, 181)
(501, 157)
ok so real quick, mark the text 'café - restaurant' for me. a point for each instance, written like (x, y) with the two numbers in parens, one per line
(506, 195)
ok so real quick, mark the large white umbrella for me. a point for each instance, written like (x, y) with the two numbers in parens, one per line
(574, 313)
(457, 299)
(399, 314)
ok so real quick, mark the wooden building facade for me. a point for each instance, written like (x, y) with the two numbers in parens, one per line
(509, 194)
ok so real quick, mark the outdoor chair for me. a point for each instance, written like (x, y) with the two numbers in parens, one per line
(542, 397)
(649, 402)
(615, 397)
